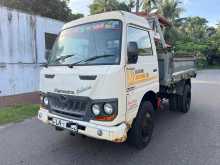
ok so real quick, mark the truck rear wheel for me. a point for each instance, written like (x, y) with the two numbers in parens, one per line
(173, 102)
(142, 128)
(181, 102)
(184, 101)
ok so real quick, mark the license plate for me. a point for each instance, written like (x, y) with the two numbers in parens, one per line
(64, 124)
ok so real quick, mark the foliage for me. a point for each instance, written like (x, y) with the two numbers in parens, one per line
(100, 6)
(195, 36)
(190, 47)
(171, 9)
(192, 35)
(214, 42)
(56, 9)
(148, 5)
(194, 28)
(188, 35)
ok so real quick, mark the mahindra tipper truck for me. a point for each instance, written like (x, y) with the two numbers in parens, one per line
(105, 79)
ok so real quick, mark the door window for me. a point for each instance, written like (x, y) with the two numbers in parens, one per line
(142, 38)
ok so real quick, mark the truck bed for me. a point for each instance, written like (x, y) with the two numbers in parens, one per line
(174, 69)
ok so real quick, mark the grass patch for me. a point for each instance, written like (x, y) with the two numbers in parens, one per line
(17, 113)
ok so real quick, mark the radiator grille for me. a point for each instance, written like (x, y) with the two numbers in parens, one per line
(71, 106)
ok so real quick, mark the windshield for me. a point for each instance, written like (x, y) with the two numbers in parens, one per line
(90, 44)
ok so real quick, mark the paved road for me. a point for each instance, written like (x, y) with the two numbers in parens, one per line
(191, 139)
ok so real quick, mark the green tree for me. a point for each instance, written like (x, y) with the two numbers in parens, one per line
(192, 35)
(171, 9)
(148, 5)
(211, 31)
(127, 6)
(56, 9)
(218, 27)
(214, 42)
(195, 28)
(100, 6)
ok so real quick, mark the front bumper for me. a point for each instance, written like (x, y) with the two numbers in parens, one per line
(114, 134)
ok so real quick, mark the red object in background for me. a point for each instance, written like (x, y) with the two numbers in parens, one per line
(158, 103)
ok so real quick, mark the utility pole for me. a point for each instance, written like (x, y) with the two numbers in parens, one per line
(137, 6)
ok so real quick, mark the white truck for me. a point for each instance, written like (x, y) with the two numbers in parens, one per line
(104, 79)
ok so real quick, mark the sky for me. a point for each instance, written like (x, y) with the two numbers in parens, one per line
(209, 9)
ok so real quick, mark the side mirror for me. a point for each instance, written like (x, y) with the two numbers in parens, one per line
(132, 53)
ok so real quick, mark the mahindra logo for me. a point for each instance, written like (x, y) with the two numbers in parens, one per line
(63, 99)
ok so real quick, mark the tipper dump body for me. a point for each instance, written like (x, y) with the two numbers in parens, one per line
(173, 69)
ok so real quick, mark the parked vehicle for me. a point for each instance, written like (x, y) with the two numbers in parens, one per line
(105, 79)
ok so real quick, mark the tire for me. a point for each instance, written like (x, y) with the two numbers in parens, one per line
(184, 101)
(173, 102)
(142, 128)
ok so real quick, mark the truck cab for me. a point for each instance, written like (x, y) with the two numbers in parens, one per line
(102, 79)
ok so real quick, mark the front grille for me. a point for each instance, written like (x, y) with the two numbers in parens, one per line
(69, 106)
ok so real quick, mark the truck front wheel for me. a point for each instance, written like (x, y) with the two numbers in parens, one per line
(142, 128)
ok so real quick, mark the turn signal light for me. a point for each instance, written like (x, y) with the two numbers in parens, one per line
(105, 118)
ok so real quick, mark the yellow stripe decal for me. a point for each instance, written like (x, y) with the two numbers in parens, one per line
(134, 78)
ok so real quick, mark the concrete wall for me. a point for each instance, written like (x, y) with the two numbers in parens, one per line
(22, 50)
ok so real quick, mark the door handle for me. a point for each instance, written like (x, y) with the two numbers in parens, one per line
(51, 76)
(155, 70)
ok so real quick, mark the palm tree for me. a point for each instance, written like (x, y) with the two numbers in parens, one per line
(137, 6)
(195, 28)
(99, 6)
(171, 9)
(131, 4)
(148, 5)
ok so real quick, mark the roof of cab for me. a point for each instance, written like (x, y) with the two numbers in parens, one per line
(120, 15)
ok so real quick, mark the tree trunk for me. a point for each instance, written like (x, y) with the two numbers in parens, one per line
(137, 6)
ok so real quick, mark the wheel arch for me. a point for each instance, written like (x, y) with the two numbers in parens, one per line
(150, 96)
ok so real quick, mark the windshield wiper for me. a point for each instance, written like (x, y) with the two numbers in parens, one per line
(90, 59)
(64, 57)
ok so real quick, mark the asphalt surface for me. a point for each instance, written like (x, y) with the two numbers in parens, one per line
(178, 139)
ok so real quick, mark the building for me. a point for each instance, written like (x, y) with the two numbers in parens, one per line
(24, 40)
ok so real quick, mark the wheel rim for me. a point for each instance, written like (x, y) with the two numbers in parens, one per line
(147, 127)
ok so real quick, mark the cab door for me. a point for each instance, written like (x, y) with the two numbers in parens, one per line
(142, 75)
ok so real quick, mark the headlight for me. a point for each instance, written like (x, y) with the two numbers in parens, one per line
(46, 101)
(104, 110)
(96, 110)
(108, 109)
